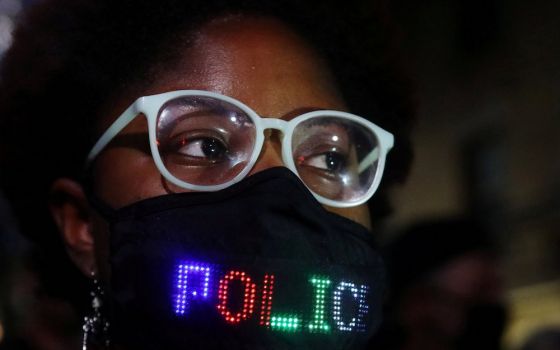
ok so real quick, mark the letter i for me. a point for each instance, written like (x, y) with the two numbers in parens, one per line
(318, 324)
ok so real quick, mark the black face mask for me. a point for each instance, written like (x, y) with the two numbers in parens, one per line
(259, 265)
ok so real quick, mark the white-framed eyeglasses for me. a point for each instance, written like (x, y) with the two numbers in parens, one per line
(204, 141)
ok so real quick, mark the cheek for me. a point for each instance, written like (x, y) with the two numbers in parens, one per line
(123, 176)
(359, 214)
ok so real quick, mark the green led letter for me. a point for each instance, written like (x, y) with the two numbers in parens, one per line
(286, 323)
(318, 324)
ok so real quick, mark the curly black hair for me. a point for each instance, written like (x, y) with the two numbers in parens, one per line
(71, 57)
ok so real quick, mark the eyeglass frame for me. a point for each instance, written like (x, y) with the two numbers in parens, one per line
(150, 106)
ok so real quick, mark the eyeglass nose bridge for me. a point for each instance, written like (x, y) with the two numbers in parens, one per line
(273, 123)
(270, 124)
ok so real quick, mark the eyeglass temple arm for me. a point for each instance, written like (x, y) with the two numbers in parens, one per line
(372, 157)
(119, 124)
(386, 140)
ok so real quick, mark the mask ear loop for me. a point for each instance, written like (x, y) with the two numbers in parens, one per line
(103, 209)
(96, 326)
(106, 212)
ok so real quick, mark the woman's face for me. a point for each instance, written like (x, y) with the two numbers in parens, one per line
(256, 60)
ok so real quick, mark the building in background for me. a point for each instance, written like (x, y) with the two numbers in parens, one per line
(487, 139)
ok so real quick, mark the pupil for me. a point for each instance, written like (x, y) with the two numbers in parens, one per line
(213, 148)
(334, 161)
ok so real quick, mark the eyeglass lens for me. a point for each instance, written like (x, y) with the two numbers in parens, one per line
(206, 141)
(335, 157)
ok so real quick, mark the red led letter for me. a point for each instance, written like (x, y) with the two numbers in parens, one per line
(248, 296)
(266, 304)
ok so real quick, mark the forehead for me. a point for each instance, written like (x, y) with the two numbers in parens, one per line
(257, 60)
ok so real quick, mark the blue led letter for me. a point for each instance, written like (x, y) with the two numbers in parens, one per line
(186, 291)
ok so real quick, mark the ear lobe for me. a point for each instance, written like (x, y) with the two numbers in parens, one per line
(70, 209)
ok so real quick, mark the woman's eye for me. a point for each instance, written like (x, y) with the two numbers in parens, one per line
(209, 148)
(330, 161)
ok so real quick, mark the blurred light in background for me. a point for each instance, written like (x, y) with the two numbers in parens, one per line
(9, 10)
(533, 308)
(11, 7)
(6, 28)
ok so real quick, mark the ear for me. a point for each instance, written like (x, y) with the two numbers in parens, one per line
(70, 210)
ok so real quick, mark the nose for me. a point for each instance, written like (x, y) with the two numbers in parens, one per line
(271, 152)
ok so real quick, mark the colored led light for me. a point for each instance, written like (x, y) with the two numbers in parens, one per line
(248, 296)
(287, 323)
(356, 323)
(193, 279)
(184, 273)
(266, 303)
(318, 324)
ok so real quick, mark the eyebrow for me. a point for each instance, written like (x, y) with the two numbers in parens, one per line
(294, 113)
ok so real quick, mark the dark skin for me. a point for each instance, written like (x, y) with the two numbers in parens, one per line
(256, 60)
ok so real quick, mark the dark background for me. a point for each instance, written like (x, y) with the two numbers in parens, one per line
(487, 140)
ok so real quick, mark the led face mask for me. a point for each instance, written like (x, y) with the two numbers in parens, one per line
(203, 141)
(259, 265)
